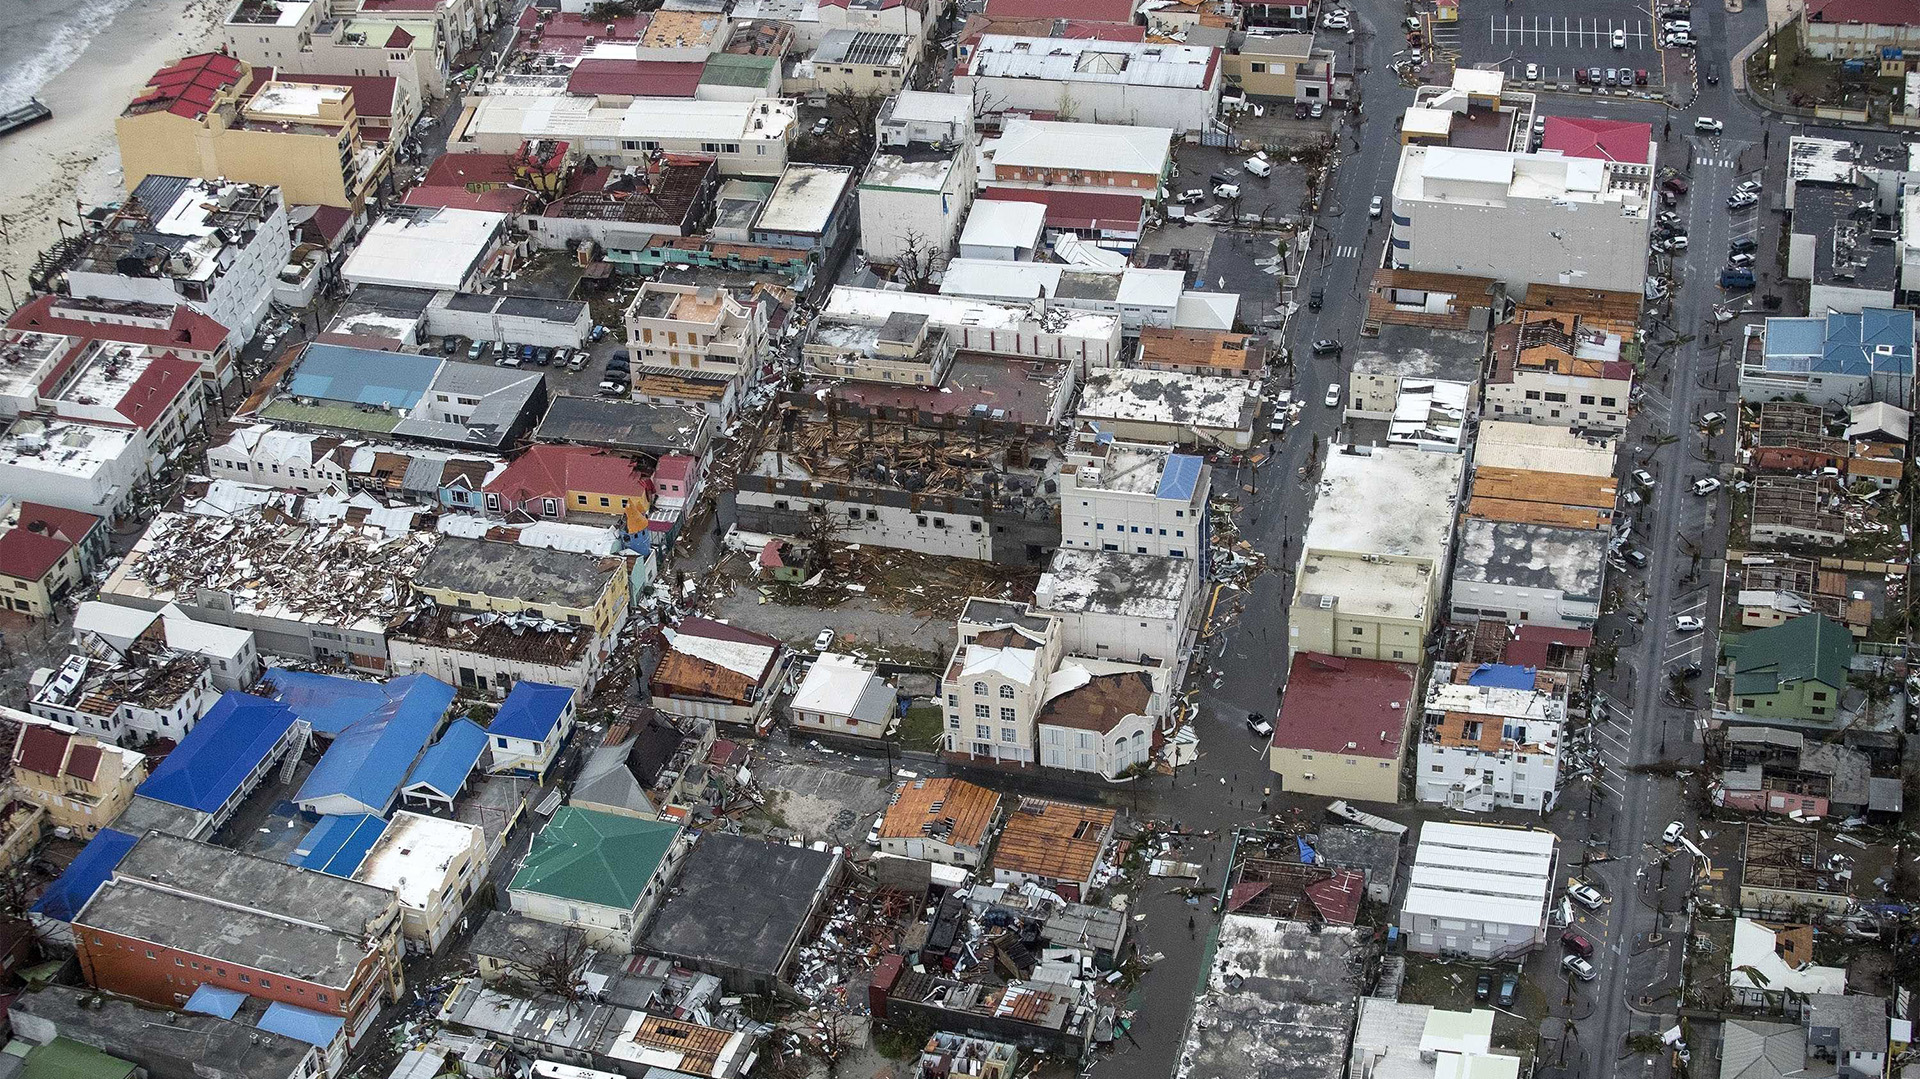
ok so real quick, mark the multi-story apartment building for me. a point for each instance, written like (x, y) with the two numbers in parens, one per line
(533, 582)
(209, 116)
(143, 693)
(902, 347)
(745, 138)
(45, 552)
(694, 344)
(1522, 218)
(1490, 737)
(82, 782)
(920, 183)
(217, 246)
(1560, 369)
(173, 327)
(995, 682)
(305, 37)
(1134, 498)
(1109, 82)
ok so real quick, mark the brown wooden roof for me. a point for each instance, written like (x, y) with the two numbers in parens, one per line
(931, 802)
(1053, 840)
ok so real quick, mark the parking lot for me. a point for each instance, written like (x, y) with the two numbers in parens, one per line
(1561, 46)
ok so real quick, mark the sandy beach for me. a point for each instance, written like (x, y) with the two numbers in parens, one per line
(45, 169)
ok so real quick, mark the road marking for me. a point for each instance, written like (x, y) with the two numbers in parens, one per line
(1688, 654)
(1692, 607)
(1347, 251)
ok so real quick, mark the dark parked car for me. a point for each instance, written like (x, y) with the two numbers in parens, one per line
(1741, 246)
(450, 346)
(1636, 556)
(1574, 941)
(1315, 298)
(1674, 184)
(1483, 985)
(1640, 76)
(1509, 985)
(542, 356)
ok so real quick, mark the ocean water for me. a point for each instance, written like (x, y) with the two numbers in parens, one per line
(40, 38)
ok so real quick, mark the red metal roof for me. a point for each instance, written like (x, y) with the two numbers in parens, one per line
(566, 33)
(1079, 209)
(1336, 705)
(399, 39)
(1119, 11)
(1530, 645)
(1872, 12)
(39, 537)
(189, 87)
(42, 750)
(553, 471)
(186, 329)
(499, 200)
(1607, 140)
(674, 466)
(84, 762)
(1337, 898)
(635, 78)
(165, 378)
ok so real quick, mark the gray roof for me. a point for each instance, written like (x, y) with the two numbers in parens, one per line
(1851, 1023)
(1846, 769)
(517, 939)
(166, 1044)
(1755, 1050)
(507, 570)
(1569, 560)
(1280, 1002)
(606, 780)
(1422, 352)
(710, 919)
(1350, 846)
(1884, 794)
(622, 425)
(505, 395)
(246, 938)
(144, 814)
(228, 876)
(392, 300)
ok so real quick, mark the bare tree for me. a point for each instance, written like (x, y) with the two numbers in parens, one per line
(858, 113)
(914, 265)
(558, 969)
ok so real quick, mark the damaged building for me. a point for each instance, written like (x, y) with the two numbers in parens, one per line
(955, 494)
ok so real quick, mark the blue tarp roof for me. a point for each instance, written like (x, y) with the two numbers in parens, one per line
(369, 760)
(530, 711)
(329, 702)
(85, 874)
(1501, 676)
(446, 766)
(1177, 480)
(339, 843)
(215, 757)
(361, 376)
(301, 1024)
(213, 1000)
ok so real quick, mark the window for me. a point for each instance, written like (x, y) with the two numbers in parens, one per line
(244, 979)
(979, 689)
(1008, 734)
(1357, 631)
(953, 698)
(1746, 702)
(1819, 696)
(1559, 398)
(1006, 715)
(1257, 68)
(982, 731)
(921, 520)
(1007, 692)
(975, 525)
(981, 711)
(1609, 402)
(1586, 399)
(1533, 395)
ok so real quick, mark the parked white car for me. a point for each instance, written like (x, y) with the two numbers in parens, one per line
(1687, 623)
(1706, 486)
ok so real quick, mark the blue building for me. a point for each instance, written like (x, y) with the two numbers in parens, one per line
(227, 754)
(1836, 361)
(532, 724)
(443, 770)
(369, 760)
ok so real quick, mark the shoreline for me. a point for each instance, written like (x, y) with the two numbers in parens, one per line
(73, 157)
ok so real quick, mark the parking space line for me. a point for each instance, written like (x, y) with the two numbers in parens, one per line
(1688, 654)
(1692, 607)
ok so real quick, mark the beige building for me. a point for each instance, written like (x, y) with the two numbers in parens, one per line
(434, 866)
(1561, 370)
(203, 117)
(903, 348)
(1280, 66)
(82, 783)
(304, 37)
(859, 62)
(1359, 607)
(1342, 727)
(45, 553)
(996, 680)
(694, 344)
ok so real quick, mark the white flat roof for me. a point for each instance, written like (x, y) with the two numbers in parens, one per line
(804, 198)
(1496, 874)
(1540, 448)
(425, 250)
(1132, 63)
(411, 857)
(1125, 395)
(924, 106)
(1479, 81)
(679, 118)
(1054, 144)
(993, 223)
(833, 684)
(1388, 500)
(874, 305)
(1420, 120)
(295, 98)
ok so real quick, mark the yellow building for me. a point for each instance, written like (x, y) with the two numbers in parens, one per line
(1284, 66)
(82, 783)
(1361, 608)
(535, 582)
(1341, 731)
(204, 117)
(44, 552)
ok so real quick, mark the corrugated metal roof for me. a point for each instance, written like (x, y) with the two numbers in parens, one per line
(530, 711)
(216, 756)
(445, 767)
(367, 763)
(85, 874)
(338, 844)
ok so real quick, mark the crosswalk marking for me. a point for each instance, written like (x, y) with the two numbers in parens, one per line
(1346, 251)
(1717, 163)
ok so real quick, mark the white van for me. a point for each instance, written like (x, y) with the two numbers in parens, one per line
(1259, 166)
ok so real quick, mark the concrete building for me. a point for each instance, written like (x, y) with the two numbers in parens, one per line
(1102, 718)
(308, 37)
(745, 138)
(1512, 572)
(510, 579)
(1419, 1041)
(45, 552)
(169, 327)
(1843, 244)
(842, 695)
(1490, 737)
(601, 873)
(82, 783)
(1120, 606)
(1134, 498)
(1562, 370)
(206, 116)
(169, 1044)
(749, 938)
(1850, 29)
(527, 732)
(940, 820)
(1376, 552)
(996, 680)
(1095, 81)
(1083, 339)
(918, 186)
(860, 61)
(695, 344)
(904, 348)
(1770, 960)
(1057, 845)
(1140, 297)
(428, 248)
(1169, 407)
(714, 671)
(434, 866)
(1522, 218)
(216, 246)
(1004, 232)
(1832, 360)
(325, 949)
(1285, 67)
(1479, 890)
(1341, 729)
(147, 692)
(1032, 154)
